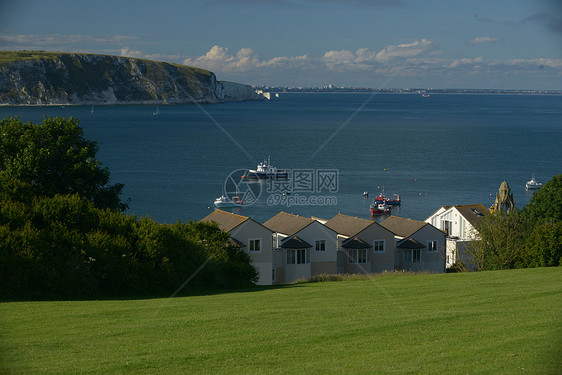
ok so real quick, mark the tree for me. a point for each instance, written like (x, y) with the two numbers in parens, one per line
(55, 158)
(546, 204)
(63, 235)
(502, 241)
(543, 246)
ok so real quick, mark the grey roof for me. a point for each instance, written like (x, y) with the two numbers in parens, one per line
(348, 225)
(295, 243)
(227, 221)
(445, 208)
(473, 212)
(287, 224)
(355, 243)
(403, 227)
(410, 243)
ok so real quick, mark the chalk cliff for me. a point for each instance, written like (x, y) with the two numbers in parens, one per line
(48, 78)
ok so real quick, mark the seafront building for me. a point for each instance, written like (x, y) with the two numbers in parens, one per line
(459, 224)
(302, 247)
(364, 245)
(288, 247)
(419, 246)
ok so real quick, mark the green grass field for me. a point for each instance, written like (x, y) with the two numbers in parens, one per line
(502, 322)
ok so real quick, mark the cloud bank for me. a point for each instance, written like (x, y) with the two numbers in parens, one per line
(410, 63)
(220, 59)
(483, 39)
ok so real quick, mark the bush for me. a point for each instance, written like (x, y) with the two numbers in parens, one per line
(66, 247)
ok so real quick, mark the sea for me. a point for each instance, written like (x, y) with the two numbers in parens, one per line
(445, 149)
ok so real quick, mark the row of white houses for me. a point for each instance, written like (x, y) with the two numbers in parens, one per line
(288, 247)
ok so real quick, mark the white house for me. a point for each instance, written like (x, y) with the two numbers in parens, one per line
(419, 246)
(459, 223)
(253, 236)
(303, 247)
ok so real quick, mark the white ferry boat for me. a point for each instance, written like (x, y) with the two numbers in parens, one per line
(266, 170)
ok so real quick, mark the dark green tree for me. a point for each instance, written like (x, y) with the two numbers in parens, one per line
(543, 246)
(546, 204)
(63, 235)
(502, 241)
(55, 158)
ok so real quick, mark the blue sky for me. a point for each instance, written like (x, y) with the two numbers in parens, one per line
(512, 44)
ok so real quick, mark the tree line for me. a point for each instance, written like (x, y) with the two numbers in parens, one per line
(64, 233)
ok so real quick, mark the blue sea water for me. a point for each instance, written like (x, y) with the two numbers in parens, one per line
(441, 150)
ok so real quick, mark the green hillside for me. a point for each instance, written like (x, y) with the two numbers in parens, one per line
(498, 322)
(7, 57)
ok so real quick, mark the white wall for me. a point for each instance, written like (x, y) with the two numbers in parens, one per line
(262, 260)
(432, 261)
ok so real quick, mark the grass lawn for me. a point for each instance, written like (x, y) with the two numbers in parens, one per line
(503, 322)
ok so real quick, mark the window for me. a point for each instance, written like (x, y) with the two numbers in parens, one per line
(432, 246)
(320, 245)
(298, 256)
(378, 246)
(447, 227)
(358, 256)
(273, 276)
(412, 256)
(254, 245)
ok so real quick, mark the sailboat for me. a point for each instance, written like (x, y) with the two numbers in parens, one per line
(157, 112)
(92, 110)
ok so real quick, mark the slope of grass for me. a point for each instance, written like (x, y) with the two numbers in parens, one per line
(502, 322)
(7, 57)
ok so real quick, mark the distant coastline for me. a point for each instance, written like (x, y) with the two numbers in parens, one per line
(406, 91)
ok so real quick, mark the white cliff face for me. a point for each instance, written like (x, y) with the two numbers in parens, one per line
(235, 91)
(98, 79)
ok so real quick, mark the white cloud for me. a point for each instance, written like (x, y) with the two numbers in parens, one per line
(465, 62)
(220, 59)
(127, 52)
(405, 50)
(483, 39)
(531, 63)
(363, 59)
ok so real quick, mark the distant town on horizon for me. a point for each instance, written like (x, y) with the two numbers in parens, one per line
(342, 89)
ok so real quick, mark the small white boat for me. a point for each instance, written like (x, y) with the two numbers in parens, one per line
(533, 184)
(157, 112)
(224, 201)
(92, 110)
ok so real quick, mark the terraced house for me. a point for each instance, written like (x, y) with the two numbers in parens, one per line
(288, 247)
(419, 246)
(303, 247)
(364, 245)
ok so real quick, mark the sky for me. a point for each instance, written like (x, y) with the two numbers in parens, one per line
(504, 44)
